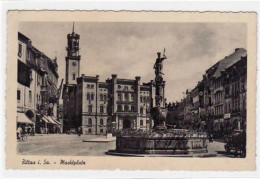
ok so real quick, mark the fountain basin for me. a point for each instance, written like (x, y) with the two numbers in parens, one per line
(170, 143)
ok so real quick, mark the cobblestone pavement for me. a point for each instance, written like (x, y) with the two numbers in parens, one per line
(72, 145)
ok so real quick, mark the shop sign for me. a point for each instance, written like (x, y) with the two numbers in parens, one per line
(227, 116)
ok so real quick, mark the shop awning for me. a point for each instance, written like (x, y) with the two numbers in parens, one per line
(55, 119)
(45, 119)
(51, 120)
(22, 118)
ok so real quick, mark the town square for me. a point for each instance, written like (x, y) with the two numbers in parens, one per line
(65, 108)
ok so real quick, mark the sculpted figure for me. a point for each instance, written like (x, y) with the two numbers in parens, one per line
(158, 66)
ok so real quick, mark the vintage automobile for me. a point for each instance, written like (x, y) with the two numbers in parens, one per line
(236, 142)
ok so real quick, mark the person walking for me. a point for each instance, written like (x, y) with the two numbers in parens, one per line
(79, 131)
(19, 132)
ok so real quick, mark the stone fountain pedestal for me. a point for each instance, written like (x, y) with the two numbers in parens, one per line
(176, 142)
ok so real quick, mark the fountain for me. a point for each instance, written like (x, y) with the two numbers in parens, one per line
(159, 140)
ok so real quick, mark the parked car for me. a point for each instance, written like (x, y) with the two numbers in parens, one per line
(236, 142)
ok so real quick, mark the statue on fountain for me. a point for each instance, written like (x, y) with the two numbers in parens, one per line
(159, 112)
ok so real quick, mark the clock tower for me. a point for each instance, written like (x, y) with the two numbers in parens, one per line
(72, 58)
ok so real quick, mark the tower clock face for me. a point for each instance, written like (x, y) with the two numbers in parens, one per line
(74, 63)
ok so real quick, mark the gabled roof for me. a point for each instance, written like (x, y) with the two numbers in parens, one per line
(229, 61)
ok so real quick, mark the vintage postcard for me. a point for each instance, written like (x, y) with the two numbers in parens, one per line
(131, 90)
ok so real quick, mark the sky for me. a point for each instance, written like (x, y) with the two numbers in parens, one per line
(129, 49)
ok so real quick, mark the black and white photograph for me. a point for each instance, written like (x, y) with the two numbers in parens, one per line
(132, 89)
(92, 90)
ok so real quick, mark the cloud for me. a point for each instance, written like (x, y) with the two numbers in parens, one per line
(129, 49)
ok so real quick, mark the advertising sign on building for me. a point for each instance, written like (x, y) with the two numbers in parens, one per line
(227, 116)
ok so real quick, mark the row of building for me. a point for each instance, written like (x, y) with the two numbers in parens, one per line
(37, 92)
(218, 101)
(100, 107)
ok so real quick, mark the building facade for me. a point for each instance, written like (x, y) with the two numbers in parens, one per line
(100, 107)
(218, 102)
(37, 79)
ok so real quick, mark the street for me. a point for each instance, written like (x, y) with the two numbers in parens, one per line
(63, 144)
(72, 145)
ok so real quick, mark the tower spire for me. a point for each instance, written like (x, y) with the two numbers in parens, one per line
(73, 28)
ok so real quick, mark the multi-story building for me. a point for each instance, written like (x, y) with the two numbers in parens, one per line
(219, 94)
(218, 102)
(36, 88)
(98, 106)
(234, 84)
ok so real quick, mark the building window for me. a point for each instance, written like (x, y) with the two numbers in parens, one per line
(89, 131)
(101, 122)
(141, 110)
(144, 99)
(73, 76)
(28, 55)
(101, 130)
(132, 97)
(101, 109)
(92, 96)
(92, 86)
(20, 50)
(119, 86)
(119, 108)
(88, 86)
(147, 99)
(126, 108)
(141, 99)
(131, 108)
(126, 88)
(18, 95)
(30, 96)
(39, 99)
(119, 97)
(90, 121)
(101, 97)
(105, 98)
(126, 96)
(141, 122)
(89, 108)
(88, 96)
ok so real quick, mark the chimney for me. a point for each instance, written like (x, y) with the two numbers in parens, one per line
(114, 76)
(137, 78)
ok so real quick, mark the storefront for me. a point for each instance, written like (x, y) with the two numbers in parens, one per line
(23, 121)
(227, 124)
(50, 125)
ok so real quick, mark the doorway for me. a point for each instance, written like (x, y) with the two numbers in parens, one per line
(126, 124)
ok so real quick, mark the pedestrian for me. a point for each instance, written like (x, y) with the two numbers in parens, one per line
(79, 131)
(32, 131)
(19, 132)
